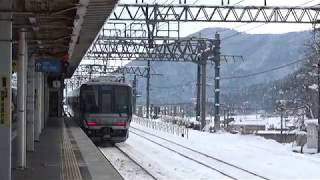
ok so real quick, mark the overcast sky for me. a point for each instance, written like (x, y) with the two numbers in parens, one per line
(188, 28)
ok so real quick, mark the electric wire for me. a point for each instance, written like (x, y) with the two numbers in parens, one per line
(204, 16)
(238, 33)
(263, 72)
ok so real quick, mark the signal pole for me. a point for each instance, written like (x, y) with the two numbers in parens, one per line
(148, 88)
(134, 85)
(217, 82)
(198, 92)
(202, 62)
(315, 29)
(318, 105)
(203, 92)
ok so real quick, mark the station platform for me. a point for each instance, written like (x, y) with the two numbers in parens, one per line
(65, 152)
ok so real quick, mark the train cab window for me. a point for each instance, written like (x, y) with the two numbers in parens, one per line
(106, 102)
(122, 100)
(90, 100)
(105, 99)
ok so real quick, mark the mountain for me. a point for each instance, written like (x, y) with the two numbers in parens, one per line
(260, 52)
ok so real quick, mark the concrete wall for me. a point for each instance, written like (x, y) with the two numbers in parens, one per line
(286, 138)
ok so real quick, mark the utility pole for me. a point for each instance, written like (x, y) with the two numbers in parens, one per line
(217, 82)
(198, 92)
(123, 77)
(151, 29)
(281, 107)
(148, 88)
(281, 127)
(203, 92)
(202, 61)
(318, 78)
(134, 85)
(318, 104)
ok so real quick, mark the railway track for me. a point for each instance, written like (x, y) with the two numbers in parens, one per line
(125, 164)
(225, 168)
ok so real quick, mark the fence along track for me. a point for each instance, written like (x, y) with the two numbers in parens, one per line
(175, 129)
(193, 150)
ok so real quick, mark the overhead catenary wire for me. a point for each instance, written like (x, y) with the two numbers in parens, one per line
(175, 86)
(263, 72)
(238, 33)
(204, 16)
(241, 25)
(161, 25)
(229, 37)
(239, 76)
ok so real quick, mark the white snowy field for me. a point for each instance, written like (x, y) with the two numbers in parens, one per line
(264, 157)
(257, 119)
(253, 119)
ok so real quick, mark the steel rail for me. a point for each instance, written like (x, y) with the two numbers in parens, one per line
(203, 154)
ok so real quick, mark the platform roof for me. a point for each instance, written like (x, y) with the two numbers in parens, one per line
(59, 28)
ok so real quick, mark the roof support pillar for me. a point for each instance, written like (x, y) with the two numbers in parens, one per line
(37, 107)
(30, 104)
(21, 86)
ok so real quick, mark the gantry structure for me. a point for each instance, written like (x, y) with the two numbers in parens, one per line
(151, 32)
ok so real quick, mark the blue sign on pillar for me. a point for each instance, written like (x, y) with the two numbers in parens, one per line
(48, 65)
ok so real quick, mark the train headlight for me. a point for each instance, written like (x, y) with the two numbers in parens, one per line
(120, 123)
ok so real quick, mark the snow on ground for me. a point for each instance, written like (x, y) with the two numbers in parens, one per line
(127, 168)
(210, 163)
(164, 164)
(265, 157)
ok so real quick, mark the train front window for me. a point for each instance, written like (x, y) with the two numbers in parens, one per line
(122, 99)
(90, 99)
(106, 99)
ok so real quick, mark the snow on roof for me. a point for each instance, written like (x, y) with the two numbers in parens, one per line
(313, 86)
(311, 121)
(106, 83)
(250, 122)
(275, 132)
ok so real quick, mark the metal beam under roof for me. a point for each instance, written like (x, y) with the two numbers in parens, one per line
(59, 29)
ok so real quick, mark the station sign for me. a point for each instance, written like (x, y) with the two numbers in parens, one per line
(48, 65)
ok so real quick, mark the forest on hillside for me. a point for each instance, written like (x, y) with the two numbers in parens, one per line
(297, 91)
